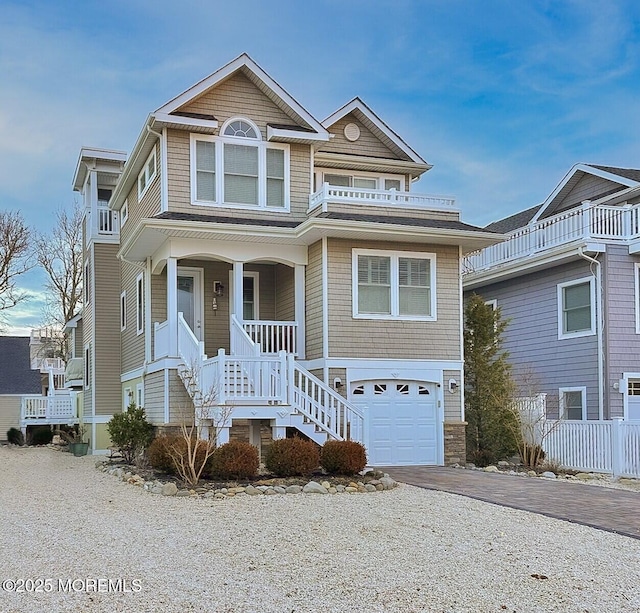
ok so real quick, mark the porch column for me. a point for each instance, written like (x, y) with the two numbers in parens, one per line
(299, 306)
(238, 278)
(172, 305)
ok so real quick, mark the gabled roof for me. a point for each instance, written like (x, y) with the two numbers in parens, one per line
(378, 127)
(16, 376)
(172, 115)
(261, 79)
(513, 222)
(625, 177)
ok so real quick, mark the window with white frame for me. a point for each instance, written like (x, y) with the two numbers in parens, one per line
(573, 403)
(87, 366)
(576, 308)
(140, 394)
(147, 174)
(127, 398)
(398, 285)
(636, 268)
(238, 168)
(124, 213)
(140, 303)
(364, 180)
(123, 310)
(86, 282)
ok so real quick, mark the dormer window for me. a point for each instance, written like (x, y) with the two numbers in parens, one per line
(238, 168)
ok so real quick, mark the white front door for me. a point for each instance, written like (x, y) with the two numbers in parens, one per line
(401, 422)
(191, 300)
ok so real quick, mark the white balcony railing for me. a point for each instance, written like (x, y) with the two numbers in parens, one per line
(378, 197)
(46, 364)
(58, 408)
(588, 222)
(107, 221)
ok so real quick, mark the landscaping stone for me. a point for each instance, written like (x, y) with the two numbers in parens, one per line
(279, 489)
(252, 491)
(293, 489)
(491, 469)
(350, 490)
(387, 482)
(547, 474)
(169, 489)
(326, 485)
(370, 488)
(313, 487)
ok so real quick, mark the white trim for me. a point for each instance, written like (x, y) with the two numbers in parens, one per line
(493, 303)
(636, 286)
(87, 282)
(166, 396)
(163, 364)
(299, 307)
(148, 177)
(325, 307)
(140, 304)
(394, 257)
(123, 311)
(561, 409)
(262, 147)
(136, 373)
(147, 312)
(372, 363)
(164, 172)
(229, 121)
(88, 371)
(127, 396)
(562, 335)
(124, 213)
(139, 398)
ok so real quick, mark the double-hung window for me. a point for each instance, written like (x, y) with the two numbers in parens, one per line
(238, 168)
(147, 174)
(573, 403)
(393, 285)
(140, 304)
(576, 308)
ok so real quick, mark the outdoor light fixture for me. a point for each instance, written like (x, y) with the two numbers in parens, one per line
(453, 386)
(218, 288)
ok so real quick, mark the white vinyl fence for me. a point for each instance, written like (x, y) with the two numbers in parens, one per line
(599, 446)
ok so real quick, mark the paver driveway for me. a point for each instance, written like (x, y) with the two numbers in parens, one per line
(608, 509)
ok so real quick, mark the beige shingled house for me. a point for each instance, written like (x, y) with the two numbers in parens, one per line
(245, 247)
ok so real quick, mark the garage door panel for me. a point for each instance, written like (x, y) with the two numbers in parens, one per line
(401, 418)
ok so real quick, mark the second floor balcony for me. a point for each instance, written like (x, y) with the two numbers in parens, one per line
(586, 223)
(330, 196)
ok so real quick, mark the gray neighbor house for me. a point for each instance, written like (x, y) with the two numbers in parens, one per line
(568, 280)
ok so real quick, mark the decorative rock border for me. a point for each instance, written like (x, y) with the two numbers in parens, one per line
(312, 487)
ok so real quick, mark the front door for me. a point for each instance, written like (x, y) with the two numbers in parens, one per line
(190, 299)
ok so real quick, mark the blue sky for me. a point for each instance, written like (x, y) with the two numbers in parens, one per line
(501, 96)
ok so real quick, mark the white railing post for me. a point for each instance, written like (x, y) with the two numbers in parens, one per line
(617, 447)
(222, 370)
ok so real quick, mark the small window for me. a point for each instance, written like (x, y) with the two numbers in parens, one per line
(392, 184)
(87, 366)
(576, 312)
(402, 388)
(123, 310)
(87, 282)
(140, 395)
(573, 403)
(241, 129)
(127, 398)
(140, 304)
(379, 388)
(205, 170)
(634, 387)
(124, 213)
(147, 174)
(423, 390)
(358, 391)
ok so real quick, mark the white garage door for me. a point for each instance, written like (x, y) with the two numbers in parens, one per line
(401, 421)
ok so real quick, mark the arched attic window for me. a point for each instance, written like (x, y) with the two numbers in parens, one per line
(241, 128)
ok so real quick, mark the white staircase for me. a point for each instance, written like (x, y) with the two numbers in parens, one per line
(247, 378)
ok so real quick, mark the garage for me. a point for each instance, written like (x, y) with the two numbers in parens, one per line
(401, 421)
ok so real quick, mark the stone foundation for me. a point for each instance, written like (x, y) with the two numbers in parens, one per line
(455, 447)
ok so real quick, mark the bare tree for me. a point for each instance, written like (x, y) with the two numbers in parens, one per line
(15, 257)
(60, 255)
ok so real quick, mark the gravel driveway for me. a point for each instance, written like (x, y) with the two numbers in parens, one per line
(402, 550)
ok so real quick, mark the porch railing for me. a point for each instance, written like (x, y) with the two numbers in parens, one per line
(161, 339)
(589, 222)
(45, 364)
(57, 408)
(378, 197)
(107, 221)
(273, 336)
(241, 342)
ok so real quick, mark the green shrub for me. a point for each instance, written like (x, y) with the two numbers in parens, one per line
(130, 432)
(41, 435)
(343, 457)
(235, 460)
(287, 457)
(15, 437)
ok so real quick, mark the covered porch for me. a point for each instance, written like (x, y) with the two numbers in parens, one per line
(228, 298)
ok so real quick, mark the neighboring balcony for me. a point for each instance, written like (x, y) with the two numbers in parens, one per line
(333, 198)
(586, 223)
(103, 223)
